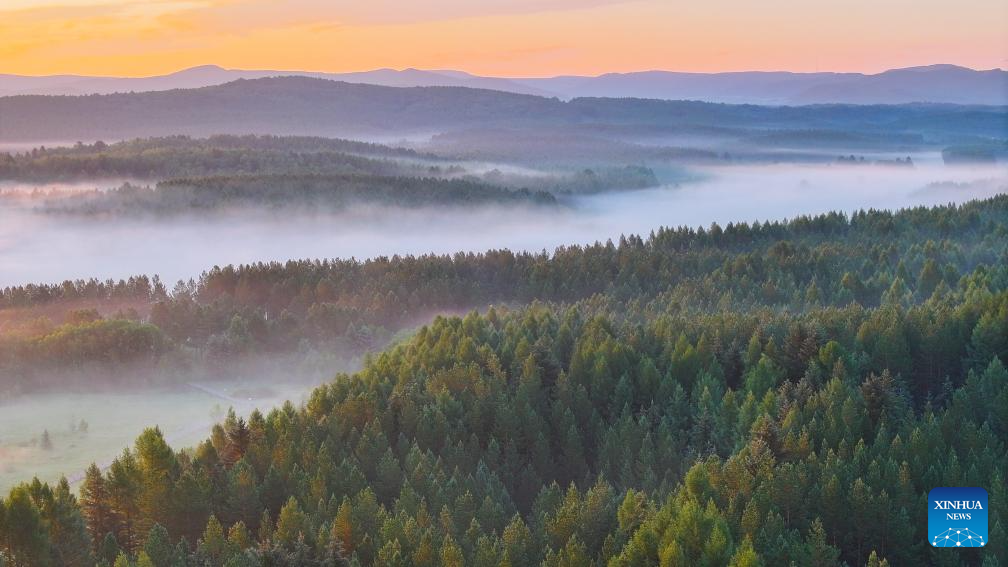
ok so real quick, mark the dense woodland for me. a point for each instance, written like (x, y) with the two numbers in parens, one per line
(178, 175)
(828, 260)
(990, 151)
(315, 193)
(182, 156)
(753, 394)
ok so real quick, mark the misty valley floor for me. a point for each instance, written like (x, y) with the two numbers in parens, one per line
(42, 248)
(184, 413)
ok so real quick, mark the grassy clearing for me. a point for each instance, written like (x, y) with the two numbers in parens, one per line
(113, 421)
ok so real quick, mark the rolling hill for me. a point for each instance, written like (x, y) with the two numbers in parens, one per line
(309, 106)
(933, 83)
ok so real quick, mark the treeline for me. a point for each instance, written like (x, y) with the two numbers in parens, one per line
(561, 436)
(986, 151)
(182, 156)
(869, 259)
(835, 138)
(310, 168)
(606, 179)
(571, 145)
(307, 192)
(583, 181)
(877, 245)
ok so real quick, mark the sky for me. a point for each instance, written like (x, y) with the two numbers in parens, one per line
(521, 38)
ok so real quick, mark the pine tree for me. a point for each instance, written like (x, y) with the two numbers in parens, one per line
(242, 503)
(292, 525)
(212, 544)
(143, 560)
(238, 439)
(158, 547)
(745, 556)
(342, 528)
(874, 561)
(125, 486)
(156, 464)
(424, 556)
(929, 279)
(27, 539)
(109, 549)
(96, 505)
(451, 555)
(239, 538)
(72, 545)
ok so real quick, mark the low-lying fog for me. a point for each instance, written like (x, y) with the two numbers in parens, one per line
(82, 430)
(36, 247)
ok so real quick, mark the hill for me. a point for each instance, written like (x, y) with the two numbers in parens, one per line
(307, 106)
(932, 83)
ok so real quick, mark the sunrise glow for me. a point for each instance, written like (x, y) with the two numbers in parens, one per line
(523, 38)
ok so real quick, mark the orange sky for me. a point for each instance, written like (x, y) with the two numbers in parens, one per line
(498, 37)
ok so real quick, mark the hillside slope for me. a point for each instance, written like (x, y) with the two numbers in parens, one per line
(299, 105)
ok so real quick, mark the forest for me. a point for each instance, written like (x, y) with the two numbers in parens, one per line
(294, 191)
(178, 175)
(751, 394)
(182, 156)
(503, 283)
(282, 307)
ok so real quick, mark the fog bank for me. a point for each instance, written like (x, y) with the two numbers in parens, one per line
(36, 247)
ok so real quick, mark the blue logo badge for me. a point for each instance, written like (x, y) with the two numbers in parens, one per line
(957, 517)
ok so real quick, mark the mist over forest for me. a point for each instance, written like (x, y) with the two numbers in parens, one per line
(293, 321)
(120, 239)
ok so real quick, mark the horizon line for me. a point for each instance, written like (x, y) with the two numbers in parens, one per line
(515, 77)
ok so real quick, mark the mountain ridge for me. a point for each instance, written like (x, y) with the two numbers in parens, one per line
(939, 83)
(320, 107)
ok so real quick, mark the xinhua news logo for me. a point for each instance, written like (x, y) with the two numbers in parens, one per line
(957, 517)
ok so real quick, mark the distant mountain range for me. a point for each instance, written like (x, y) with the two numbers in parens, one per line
(304, 105)
(934, 83)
